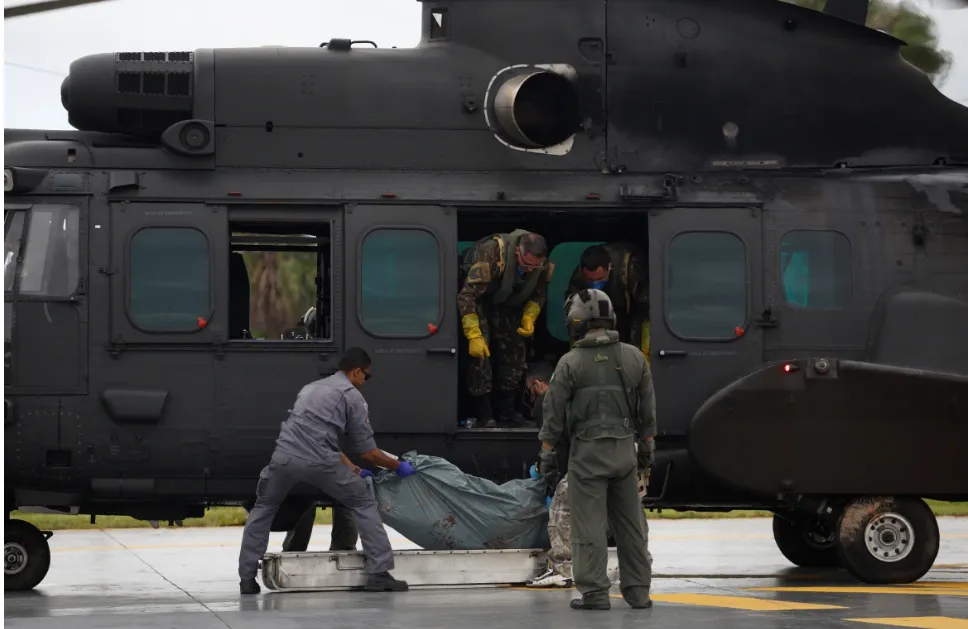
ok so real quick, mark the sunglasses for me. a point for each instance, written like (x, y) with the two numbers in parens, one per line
(366, 375)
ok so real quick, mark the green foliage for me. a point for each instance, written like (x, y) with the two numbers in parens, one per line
(904, 21)
(235, 516)
(283, 288)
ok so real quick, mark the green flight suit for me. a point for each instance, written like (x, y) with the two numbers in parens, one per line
(602, 464)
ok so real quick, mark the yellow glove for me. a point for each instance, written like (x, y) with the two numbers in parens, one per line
(531, 311)
(472, 330)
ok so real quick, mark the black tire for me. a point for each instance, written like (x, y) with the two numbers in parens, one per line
(26, 556)
(805, 545)
(902, 531)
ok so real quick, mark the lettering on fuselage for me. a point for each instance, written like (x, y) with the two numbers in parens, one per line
(397, 350)
(169, 213)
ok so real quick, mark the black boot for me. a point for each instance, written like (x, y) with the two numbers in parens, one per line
(590, 603)
(507, 413)
(485, 416)
(249, 586)
(383, 582)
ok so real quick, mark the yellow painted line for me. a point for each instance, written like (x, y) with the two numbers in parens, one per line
(957, 585)
(746, 603)
(864, 590)
(919, 622)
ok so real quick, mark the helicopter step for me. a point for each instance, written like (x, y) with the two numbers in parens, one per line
(343, 570)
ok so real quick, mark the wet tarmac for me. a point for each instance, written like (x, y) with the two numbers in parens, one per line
(708, 573)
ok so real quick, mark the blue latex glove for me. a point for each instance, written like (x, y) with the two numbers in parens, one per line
(548, 502)
(533, 471)
(365, 473)
(405, 469)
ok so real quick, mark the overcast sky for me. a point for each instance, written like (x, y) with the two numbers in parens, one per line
(49, 42)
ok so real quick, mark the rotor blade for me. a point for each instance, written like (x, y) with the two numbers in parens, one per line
(45, 5)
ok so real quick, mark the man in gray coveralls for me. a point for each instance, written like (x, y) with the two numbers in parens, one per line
(307, 451)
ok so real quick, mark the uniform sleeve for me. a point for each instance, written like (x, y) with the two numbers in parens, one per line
(646, 401)
(555, 403)
(639, 280)
(359, 434)
(483, 271)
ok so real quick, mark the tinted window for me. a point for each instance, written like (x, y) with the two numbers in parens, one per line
(50, 266)
(401, 282)
(815, 267)
(170, 279)
(11, 247)
(565, 257)
(706, 285)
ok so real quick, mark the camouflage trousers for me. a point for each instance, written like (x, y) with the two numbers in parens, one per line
(559, 531)
(499, 326)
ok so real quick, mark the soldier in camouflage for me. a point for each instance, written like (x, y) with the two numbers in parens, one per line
(602, 392)
(504, 288)
(621, 270)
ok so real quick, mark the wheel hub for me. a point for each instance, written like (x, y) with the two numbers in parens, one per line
(889, 537)
(14, 558)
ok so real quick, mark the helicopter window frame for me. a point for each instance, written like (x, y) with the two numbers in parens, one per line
(131, 277)
(438, 31)
(439, 284)
(280, 230)
(839, 282)
(47, 255)
(668, 305)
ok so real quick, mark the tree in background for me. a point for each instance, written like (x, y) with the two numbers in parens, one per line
(904, 21)
(282, 286)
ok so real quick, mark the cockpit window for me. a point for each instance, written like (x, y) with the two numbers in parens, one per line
(50, 261)
(11, 248)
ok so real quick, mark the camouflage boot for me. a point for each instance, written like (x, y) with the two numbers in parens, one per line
(485, 417)
(508, 415)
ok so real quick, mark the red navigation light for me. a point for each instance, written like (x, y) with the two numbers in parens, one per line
(788, 367)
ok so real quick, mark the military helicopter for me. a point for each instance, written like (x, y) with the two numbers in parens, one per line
(801, 191)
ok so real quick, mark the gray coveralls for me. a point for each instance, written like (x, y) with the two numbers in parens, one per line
(307, 451)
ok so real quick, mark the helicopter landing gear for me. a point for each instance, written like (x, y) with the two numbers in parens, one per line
(26, 555)
(805, 543)
(887, 540)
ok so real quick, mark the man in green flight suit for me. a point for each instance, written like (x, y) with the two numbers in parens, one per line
(621, 270)
(604, 389)
(504, 289)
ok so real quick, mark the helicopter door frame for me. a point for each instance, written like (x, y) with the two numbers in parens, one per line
(690, 358)
(128, 220)
(415, 359)
(48, 325)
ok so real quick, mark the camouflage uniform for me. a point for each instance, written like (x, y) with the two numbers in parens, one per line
(628, 288)
(499, 303)
(559, 530)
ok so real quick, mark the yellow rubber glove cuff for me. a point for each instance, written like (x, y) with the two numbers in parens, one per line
(472, 327)
(531, 311)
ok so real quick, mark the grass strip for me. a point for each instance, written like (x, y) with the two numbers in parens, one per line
(235, 516)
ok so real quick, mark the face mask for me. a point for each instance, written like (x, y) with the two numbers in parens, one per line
(599, 284)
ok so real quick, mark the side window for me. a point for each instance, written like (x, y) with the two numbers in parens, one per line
(815, 269)
(50, 260)
(170, 279)
(565, 257)
(14, 230)
(400, 283)
(706, 285)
